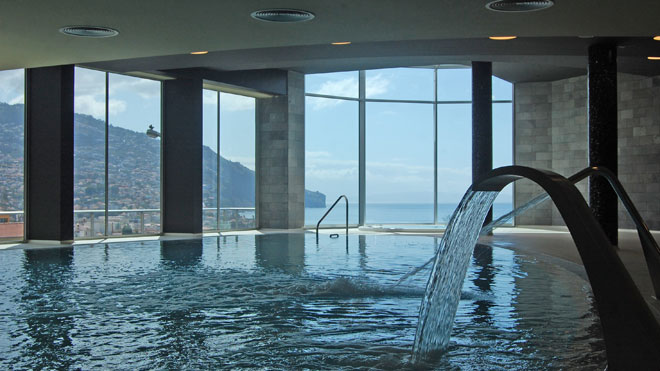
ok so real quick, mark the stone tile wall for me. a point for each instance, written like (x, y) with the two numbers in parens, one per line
(281, 157)
(551, 133)
(533, 145)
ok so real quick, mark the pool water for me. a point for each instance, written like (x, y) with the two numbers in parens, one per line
(281, 302)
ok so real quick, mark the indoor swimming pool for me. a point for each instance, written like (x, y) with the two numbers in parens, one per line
(280, 301)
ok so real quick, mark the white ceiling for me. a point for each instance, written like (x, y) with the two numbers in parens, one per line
(384, 33)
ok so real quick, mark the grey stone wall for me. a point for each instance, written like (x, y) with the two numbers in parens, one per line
(533, 145)
(561, 106)
(570, 139)
(281, 157)
(639, 146)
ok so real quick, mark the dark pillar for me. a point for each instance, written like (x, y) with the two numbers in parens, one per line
(482, 122)
(603, 134)
(182, 156)
(49, 153)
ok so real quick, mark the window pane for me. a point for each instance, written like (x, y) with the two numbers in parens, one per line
(89, 153)
(210, 160)
(454, 156)
(502, 90)
(455, 84)
(133, 157)
(11, 154)
(400, 84)
(399, 156)
(503, 153)
(340, 84)
(331, 158)
(237, 164)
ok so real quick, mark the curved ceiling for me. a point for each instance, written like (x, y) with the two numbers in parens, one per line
(383, 32)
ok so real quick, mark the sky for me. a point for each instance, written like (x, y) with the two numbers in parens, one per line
(399, 136)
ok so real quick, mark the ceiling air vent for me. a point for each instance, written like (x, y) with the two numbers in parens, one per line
(519, 5)
(283, 15)
(89, 31)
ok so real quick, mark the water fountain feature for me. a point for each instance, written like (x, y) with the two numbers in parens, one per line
(632, 334)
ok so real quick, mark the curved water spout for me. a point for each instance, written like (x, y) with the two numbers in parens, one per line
(631, 332)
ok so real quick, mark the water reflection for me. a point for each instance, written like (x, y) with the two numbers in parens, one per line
(45, 304)
(362, 250)
(185, 253)
(285, 252)
(183, 339)
(483, 280)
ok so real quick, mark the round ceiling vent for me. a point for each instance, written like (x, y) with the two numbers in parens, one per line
(283, 15)
(519, 5)
(89, 31)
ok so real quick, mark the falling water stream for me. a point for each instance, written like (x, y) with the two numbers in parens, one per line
(485, 230)
(443, 290)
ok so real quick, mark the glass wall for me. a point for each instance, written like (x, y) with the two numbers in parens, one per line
(89, 132)
(454, 156)
(210, 160)
(12, 127)
(331, 147)
(116, 165)
(229, 124)
(502, 140)
(237, 162)
(399, 163)
(400, 128)
(133, 157)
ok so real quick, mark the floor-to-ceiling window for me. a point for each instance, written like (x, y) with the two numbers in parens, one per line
(210, 160)
(116, 160)
(417, 141)
(89, 137)
(502, 140)
(331, 146)
(228, 161)
(12, 128)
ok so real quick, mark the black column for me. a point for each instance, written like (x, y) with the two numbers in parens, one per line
(603, 134)
(182, 156)
(49, 153)
(482, 122)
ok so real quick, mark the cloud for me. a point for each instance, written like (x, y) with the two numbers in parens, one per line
(340, 88)
(233, 102)
(210, 97)
(376, 85)
(144, 88)
(12, 86)
(312, 155)
(95, 107)
(321, 103)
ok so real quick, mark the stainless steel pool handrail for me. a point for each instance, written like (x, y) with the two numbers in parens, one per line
(328, 212)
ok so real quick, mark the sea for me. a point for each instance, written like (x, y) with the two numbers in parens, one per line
(391, 213)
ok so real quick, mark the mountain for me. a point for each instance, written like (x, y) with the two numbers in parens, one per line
(133, 168)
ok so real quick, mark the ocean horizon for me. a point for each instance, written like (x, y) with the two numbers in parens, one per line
(392, 213)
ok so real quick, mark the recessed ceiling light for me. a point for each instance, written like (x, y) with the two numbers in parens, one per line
(341, 43)
(201, 52)
(502, 37)
(519, 5)
(283, 15)
(654, 58)
(656, 38)
(89, 31)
